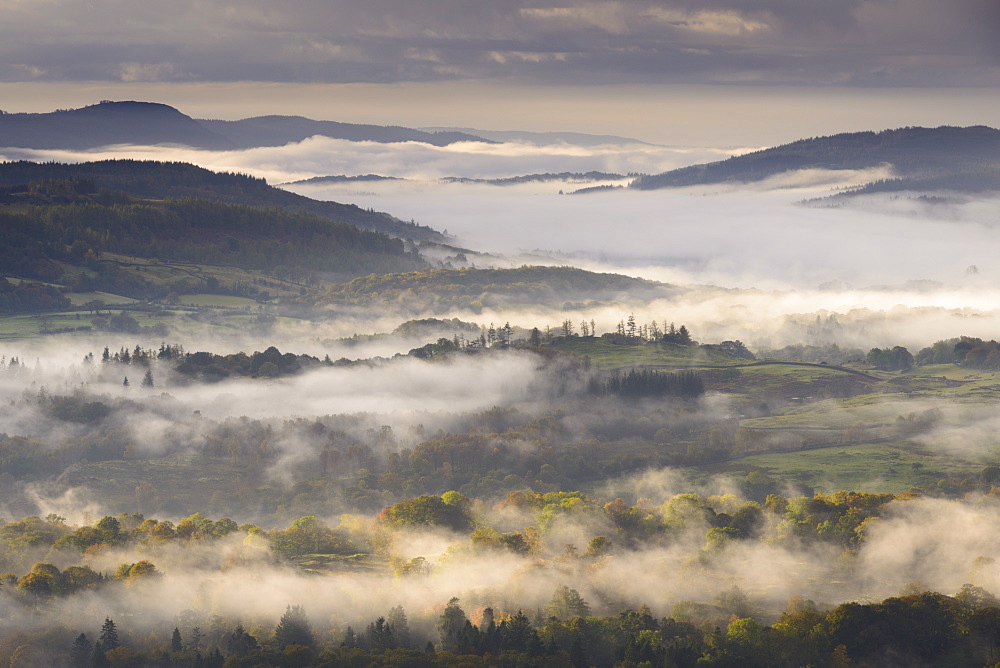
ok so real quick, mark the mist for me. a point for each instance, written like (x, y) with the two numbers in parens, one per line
(732, 236)
(325, 156)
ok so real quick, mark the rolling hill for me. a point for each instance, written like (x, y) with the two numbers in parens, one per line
(281, 130)
(952, 155)
(439, 290)
(107, 123)
(64, 231)
(158, 180)
(149, 123)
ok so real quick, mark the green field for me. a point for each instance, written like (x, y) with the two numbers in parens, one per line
(605, 355)
(220, 301)
(81, 298)
(897, 466)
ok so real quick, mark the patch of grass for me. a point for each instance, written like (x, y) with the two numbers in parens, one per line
(605, 355)
(222, 301)
(81, 298)
(325, 564)
(895, 467)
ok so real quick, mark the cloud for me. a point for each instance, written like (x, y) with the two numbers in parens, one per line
(591, 41)
(322, 156)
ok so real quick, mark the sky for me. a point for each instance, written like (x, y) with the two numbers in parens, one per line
(682, 72)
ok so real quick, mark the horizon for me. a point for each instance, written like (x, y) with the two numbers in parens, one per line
(722, 75)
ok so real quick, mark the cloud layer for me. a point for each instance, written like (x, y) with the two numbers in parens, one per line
(863, 42)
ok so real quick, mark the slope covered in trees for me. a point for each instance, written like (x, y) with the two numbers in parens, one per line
(912, 152)
(153, 179)
(69, 222)
(477, 288)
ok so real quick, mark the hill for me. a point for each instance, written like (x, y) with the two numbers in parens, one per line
(64, 232)
(281, 130)
(545, 138)
(572, 177)
(917, 154)
(439, 290)
(158, 180)
(107, 123)
(149, 123)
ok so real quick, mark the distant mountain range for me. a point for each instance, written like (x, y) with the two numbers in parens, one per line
(149, 123)
(281, 130)
(544, 138)
(581, 177)
(922, 158)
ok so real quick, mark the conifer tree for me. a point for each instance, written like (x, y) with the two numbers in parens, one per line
(400, 627)
(81, 652)
(109, 635)
(293, 628)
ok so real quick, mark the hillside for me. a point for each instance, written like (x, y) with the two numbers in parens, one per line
(438, 290)
(107, 123)
(572, 177)
(149, 123)
(158, 180)
(914, 153)
(545, 138)
(63, 232)
(281, 130)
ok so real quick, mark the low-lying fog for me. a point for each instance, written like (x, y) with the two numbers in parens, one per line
(734, 236)
(728, 235)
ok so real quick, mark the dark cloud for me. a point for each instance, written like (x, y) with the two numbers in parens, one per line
(867, 42)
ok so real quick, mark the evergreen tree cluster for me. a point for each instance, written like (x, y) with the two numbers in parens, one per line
(637, 383)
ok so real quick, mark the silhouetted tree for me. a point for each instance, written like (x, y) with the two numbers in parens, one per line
(81, 652)
(450, 625)
(109, 635)
(293, 628)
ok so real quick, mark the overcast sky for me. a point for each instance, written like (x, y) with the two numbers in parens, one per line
(462, 61)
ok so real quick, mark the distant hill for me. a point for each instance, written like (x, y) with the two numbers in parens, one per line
(916, 154)
(580, 177)
(107, 123)
(343, 178)
(151, 179)
(544, 138)
(440, 290)
(150, 123)
(281, 130)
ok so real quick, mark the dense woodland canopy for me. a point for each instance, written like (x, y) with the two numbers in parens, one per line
(193, 230)
(71, 233)
(437, 290)
(160, 180)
